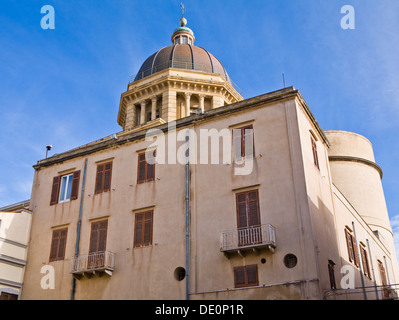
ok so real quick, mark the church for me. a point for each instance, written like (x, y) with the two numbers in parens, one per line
(266, 205)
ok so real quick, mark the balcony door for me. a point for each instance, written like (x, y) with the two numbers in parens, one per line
(248, 218)
(98, 241)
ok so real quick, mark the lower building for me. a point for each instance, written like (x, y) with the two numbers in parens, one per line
(14, 237)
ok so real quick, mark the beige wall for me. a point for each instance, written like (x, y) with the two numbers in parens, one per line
(14, 237)
(294, 196)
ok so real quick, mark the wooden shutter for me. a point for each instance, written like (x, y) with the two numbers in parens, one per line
(248, 141)
(141, 175)
(252, 275)
(253, 208)
(58, 244)
(75, 185)
(103, 177)
(349, 245)
(246, 276)
(107, 176)
(315, 155)
(151, 165)
(98, 237)
(239, 277)
(99, 178)
(55, 190)
(143, 229)
(242, 219)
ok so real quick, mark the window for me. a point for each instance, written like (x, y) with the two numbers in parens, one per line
(331, 273)
(98, 244)
(352, 249)
(8, 296)
(365, 262)
(58, 244)
(103, 177)
(314, 150)
(146, 167)
(65, 187)
(184, 40)
(248, 218)
(246, 276)
(143, 229)
(243, 142)
(290, 260)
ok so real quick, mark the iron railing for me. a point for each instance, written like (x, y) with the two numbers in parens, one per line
(251, 237)
(93, 262)
(382, 292)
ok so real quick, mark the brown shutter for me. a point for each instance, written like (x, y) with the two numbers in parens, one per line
(253, 208)
(75, 185)
(98, 237)
(147, 236)
(242, 221)
(99, 179)
(141, 175)
(252, 275)
(239, 277)
(138, 230)
(248, 141)
(107, 177)
(58, 244)
(349, 244)
(55, 190)
(355, 250)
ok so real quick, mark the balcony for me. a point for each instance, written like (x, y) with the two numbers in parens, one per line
(97, 263)
(248, 239)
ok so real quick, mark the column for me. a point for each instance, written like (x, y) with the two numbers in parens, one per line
(201, 102)
(142, 114)
(153, 108)
(188, 106)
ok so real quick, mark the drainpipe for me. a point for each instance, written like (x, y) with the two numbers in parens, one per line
(372, 268)
(187, 214)
(360, 262)
(78, 230)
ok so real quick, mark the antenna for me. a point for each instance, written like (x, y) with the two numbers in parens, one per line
(283, 80)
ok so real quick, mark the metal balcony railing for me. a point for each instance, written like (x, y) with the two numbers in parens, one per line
(93, 262)
(247, 238)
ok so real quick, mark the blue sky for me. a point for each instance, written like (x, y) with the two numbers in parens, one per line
(62, 86)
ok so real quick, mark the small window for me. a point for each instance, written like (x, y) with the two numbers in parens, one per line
(331, 274)
(65, 187)
(146, 167)
(8, 296)
(103, 177)
(244, 142)
(184, 40)
(246, 276)
(290, 261)
(365, 262)
(143, 229)
(314, 151)
(352, 249)
(180, 274)
(58, 244)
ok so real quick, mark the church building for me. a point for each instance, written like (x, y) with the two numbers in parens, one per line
(206, 195)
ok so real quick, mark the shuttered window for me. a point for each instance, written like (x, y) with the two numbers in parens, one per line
(146, 167)
(247, 204)
(246, 276)
(58, 244)
(103, 177)
(243, 142)
(98, 236)
(365, 262)
(143, 229)
(352, 248)
(65, 187)
(314, 150)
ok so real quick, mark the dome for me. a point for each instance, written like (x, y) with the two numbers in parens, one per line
(182, 56)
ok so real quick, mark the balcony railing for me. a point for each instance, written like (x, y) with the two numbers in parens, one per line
(255, 237)
(89, 264)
